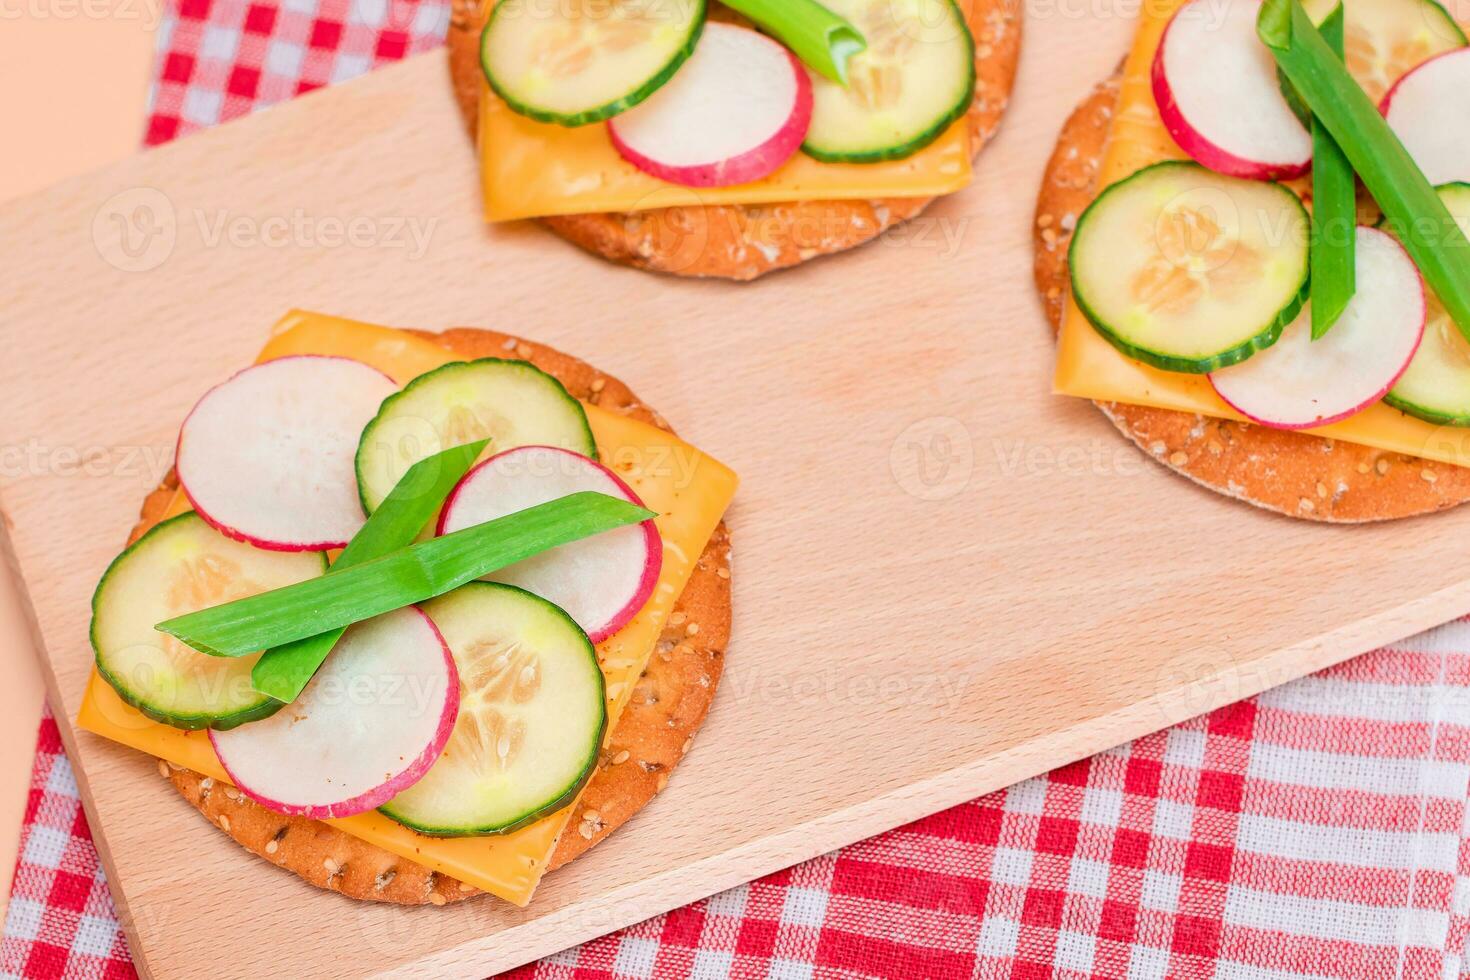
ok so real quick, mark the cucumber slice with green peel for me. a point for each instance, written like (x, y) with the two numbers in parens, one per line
(1436, 385)
(179, 566)
(582, 61)
(916, 77)
(511, 403)
(1384, 39)
(532, 714)
(1189, 270)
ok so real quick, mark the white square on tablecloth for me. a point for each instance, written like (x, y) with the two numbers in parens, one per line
(1102, 807)
(636, 956)
(431, 19)
(1011, 866)
(1027, 797)
(804, 907)
(1075, 951)
(23, 919)
(730, 902)
(94, 936)
(1174, 820)
(284, 58)
(998, 936)
(1088, 878)
(1185, 747)
(370, 12)
(61, 781)
(565, 957)
(712, 964)
(46, 846)
(349, 66)
(1148, 963)
(1160, 890)
(202, 106)
(163, 36)
(219, 43)
(784, 969)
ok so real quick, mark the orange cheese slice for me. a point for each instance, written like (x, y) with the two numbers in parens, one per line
(688, 489)
(1089, 367)
(530, 169)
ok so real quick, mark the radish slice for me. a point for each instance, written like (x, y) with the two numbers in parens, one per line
(369, 725)
(601, 582)
(736, 111)
(1429, 109)
(267, 456)
(1301, 383)
(1217, 92)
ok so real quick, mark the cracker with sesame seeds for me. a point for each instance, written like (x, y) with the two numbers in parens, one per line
(743, 242)
(1291, 473)
(654, 732)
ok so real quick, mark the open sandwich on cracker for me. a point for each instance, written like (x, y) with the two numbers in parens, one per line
(1253, 246)
(728, 139)
(417, 616)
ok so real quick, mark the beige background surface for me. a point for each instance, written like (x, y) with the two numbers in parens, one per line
(92, 60)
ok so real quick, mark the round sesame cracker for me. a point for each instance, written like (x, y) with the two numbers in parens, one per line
(655, 731)
(1292, 473)
(743, 242)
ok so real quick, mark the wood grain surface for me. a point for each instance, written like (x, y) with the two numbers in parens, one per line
(949, 579)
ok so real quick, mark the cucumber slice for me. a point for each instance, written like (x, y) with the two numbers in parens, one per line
(1384, 39)
(532, 713)
(583, 61)
(1189, 270)
(1436, 385)
(511, 403)
(179, 566)
(916, 77)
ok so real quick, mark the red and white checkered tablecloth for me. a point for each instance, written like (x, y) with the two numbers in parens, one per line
(1319, 830)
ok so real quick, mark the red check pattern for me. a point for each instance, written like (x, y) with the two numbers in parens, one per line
(61, 921)
(1319, 830)
(222, 59)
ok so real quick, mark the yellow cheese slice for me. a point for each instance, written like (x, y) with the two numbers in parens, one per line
(530, 169)
(688, 489)
(1089, 367)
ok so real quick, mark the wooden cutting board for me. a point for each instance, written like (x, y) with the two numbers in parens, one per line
(947, 579)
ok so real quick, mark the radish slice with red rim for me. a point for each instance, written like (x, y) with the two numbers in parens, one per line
(1217, 91)
(602, 581)
(735, 112)
(1429, 110)
(1301, 383)
(267, 456)
(369, 725)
